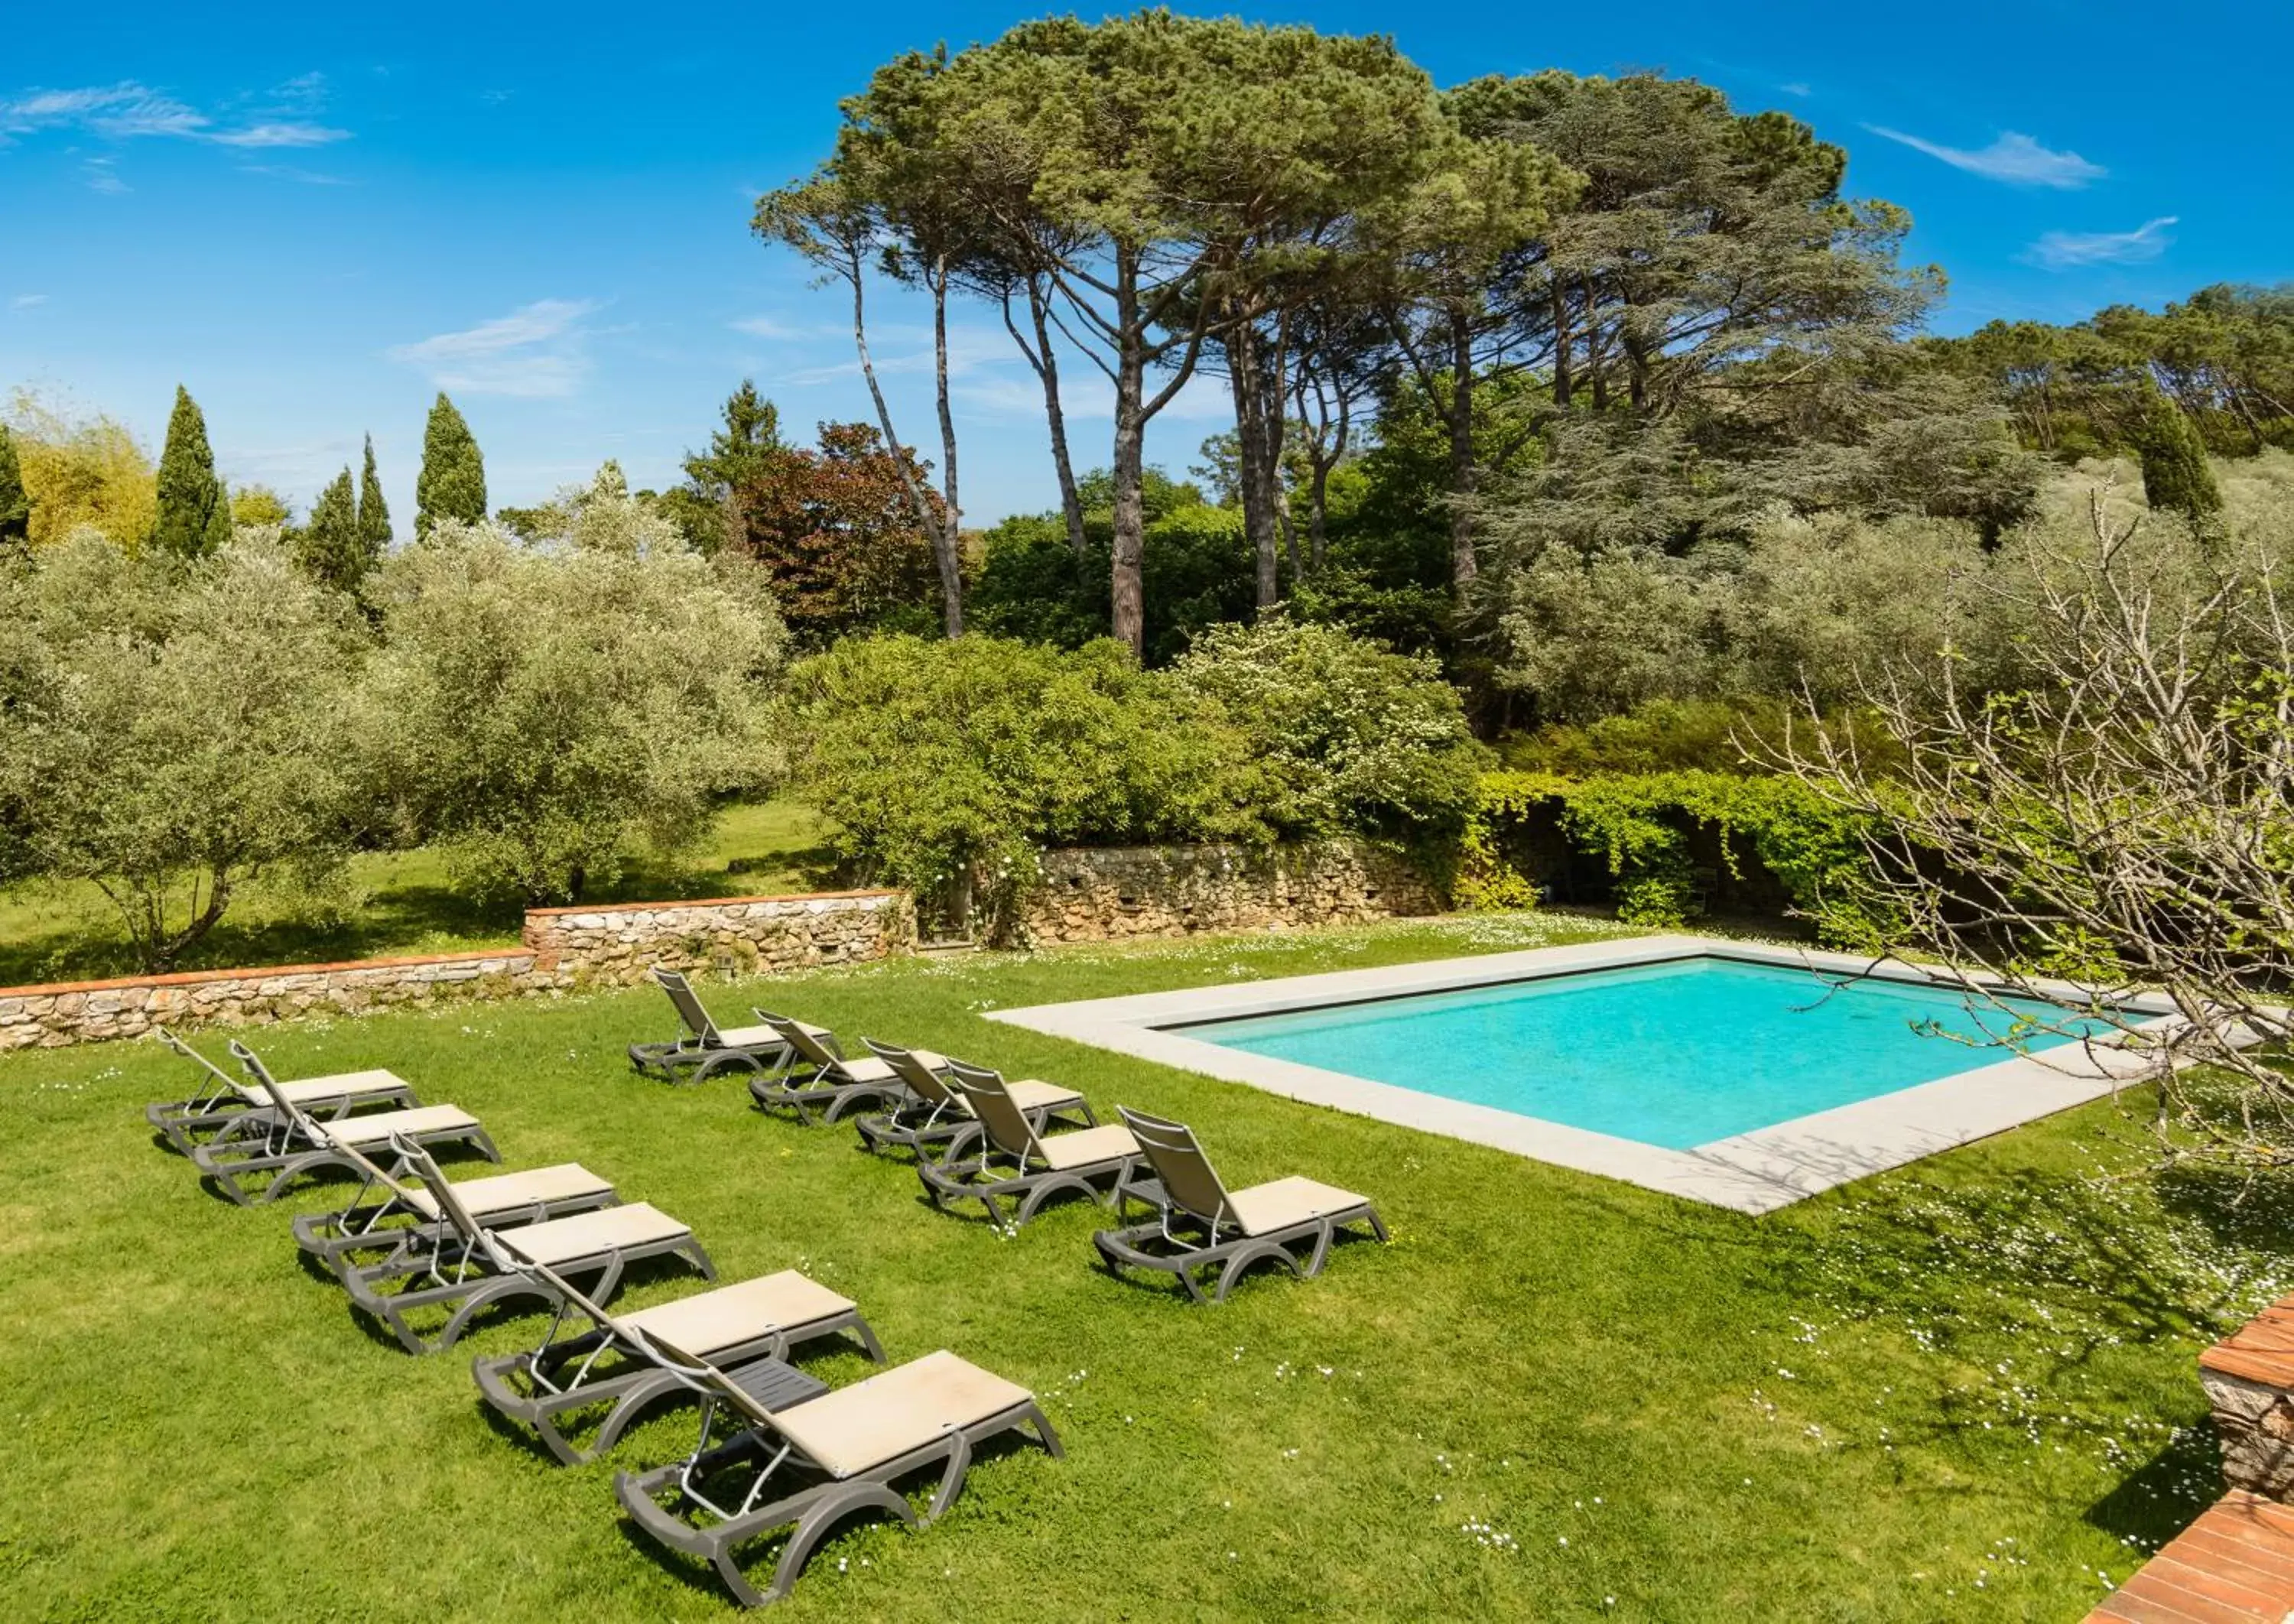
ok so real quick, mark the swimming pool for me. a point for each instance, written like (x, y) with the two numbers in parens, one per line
(1675, 1054)
(1739, 1074)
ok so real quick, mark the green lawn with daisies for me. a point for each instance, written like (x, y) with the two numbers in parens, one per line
(1963, 1390)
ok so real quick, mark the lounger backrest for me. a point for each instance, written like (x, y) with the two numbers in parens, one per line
(921, 1080)
(817, 1044)
(424, 1166)
(223, 1081)
(578, 1298)
(288, 1111)
(689, 1008)
(1186, 1172)
(992, 1103)
(702, 1376)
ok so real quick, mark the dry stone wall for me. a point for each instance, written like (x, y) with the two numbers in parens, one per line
(1110, 894)
(732, 936)
(565, 949)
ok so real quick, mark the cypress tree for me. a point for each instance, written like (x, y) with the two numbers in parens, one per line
(452, 485)
(2176, 475)
(15, 501)
(328, 547)
(194, 512)
(373, 513)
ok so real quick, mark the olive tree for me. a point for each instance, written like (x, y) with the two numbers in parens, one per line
(169, 730)
(2118, 814)
(547, 704)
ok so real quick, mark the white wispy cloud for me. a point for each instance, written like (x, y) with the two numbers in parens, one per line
(2069, 250)
(129, 111)
(2014, 158)
(537, 350)
(285, 134)
(101, 176)
(305, 93)
(1796, 88)
(290, 172)
(26, 301)
(768, 326)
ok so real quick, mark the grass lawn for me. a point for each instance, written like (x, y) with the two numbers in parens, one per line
(1964, 1389)
(66, 932)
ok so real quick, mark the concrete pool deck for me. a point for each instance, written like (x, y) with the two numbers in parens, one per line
(1748, 1173)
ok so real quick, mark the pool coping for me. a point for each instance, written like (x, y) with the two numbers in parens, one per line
(1752, 1172)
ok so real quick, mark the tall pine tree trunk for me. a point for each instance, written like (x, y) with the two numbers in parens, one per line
(948, 540)
(1128, 619)
(1463, 566)
(1047, 368)
(1563, 383)
(1246, 377)
(942, 536)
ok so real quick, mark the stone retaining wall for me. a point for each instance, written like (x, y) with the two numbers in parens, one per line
(732, 936)
(565, 948)
(1107, 894)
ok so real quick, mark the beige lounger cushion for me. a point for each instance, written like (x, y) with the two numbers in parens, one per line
(887, 1416)
(733, 1315)
(1029, 1094)
(305, 1091)
(376, 1129)
(506, 1192)
(1264, 1208)
(869, 1068)
(562, 1240)
(746, 1037)
(1084, 1146)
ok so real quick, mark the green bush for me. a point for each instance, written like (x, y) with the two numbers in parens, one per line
(1344, 734)
(947, 767)
(943, 762)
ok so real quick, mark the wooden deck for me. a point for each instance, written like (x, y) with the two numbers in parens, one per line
(2235, 1565)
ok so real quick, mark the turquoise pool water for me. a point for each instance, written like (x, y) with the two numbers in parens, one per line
(1676, 1054)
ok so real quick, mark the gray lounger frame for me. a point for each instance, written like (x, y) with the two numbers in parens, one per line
(701, 1051)
(809, 1078)
(225, 1113)
(1155, 1246)
(1026, 1189)
(469, 1273)
(292, 1145)
(634, 1386)
(336, 1236)
(813, 1508)
(935, 1130)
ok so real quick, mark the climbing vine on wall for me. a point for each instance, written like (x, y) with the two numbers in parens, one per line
(1640, 825)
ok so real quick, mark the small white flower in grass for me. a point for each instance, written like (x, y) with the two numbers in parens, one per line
(1565, 1539)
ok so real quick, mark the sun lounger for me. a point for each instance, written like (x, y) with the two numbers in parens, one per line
(292, 1143)
(821, 1461)
(1018, 1164)
(705, 1049)
(466, 1269)
(391, 1214)
(1205, 1226)
(816, 1077)
(934, 1120)
(607, 1367)
(227, 1107)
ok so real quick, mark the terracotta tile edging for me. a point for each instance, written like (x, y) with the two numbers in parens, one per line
(705, 902)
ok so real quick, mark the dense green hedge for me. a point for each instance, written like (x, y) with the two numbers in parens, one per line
(1640, 825)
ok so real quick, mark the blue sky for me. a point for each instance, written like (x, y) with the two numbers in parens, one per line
(316, 216)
